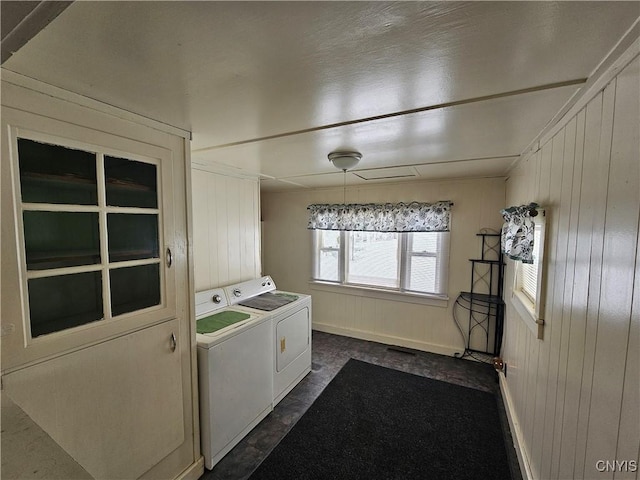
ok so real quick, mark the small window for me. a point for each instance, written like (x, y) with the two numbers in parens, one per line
(528, 272)
(415, 262)
(528, 278)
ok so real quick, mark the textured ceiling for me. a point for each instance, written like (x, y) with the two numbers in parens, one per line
(270, 88)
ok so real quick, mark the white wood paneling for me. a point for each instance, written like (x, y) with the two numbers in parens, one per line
(575, 394)
(226, 229)
(287, 247)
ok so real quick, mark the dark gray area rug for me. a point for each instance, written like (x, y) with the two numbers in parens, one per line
(373, 422)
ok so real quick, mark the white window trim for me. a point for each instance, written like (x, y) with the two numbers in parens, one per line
(532, 312)
(408, 296)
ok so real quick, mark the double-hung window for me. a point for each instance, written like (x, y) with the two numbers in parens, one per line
(405, 261)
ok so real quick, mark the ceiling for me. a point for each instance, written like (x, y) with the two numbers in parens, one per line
(421, 89)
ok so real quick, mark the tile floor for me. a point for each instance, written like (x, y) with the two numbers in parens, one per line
(330, 353)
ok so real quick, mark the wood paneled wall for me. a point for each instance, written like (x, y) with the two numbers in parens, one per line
(287, 252)
(226, 229)
(575, 394)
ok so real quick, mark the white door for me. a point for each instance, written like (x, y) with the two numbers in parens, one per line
(116, 407)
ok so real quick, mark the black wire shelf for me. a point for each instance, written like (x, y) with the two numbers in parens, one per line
(483, 304)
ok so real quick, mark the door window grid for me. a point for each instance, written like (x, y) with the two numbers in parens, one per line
(103, 210)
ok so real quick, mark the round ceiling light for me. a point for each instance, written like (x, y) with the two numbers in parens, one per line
(345, 160)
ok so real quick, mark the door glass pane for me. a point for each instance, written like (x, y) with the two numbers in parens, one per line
(65, 301)
(61, 239)
(132, 236)
(130, 183)
(134, 288)
(373, 258)
(55, 174)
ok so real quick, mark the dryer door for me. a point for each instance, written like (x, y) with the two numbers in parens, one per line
(292, 338)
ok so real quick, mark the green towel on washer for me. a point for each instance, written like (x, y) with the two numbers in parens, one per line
(218, 321)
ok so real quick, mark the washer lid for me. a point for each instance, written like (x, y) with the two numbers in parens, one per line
(220, 320)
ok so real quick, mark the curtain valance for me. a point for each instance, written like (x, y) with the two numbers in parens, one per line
(516, 240)
(381, 217)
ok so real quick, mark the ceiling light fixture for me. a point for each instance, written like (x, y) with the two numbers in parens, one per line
(345, 160)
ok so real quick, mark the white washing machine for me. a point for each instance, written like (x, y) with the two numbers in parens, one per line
(235, 355)
(291, 322)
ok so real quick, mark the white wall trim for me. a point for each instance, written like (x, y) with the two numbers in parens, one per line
(516, 432)
(71, 97)
(226, 170)
(387, 339)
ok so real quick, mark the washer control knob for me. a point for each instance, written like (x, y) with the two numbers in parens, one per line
(216, 298)
(237, 292)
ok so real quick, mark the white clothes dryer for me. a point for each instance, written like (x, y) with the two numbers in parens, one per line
(291, 318)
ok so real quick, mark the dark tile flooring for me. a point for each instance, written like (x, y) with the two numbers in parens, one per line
(330, 353)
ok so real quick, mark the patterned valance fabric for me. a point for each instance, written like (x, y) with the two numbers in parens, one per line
(381, 217)
(516, 240)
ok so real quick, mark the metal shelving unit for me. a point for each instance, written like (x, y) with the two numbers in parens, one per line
(483, 304)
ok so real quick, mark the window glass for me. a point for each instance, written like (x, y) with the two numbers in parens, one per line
(130, 183)
(373, 258)
(528, 272)
(327, 255)
(55, 174)
(134, 288)
(423, 274)
(61, 239)
(132, 236)
(64, 301)
(424, 242)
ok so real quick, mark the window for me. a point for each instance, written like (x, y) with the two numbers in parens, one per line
(527, 273)
(527, 294)
(91, 233)
(414, 262)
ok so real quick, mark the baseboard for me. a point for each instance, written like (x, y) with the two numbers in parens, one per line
(387, 339)
(516, 431)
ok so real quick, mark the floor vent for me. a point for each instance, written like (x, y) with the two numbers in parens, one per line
(401, 350)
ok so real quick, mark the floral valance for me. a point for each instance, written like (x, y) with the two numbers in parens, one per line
(381, 217)
(516, 240)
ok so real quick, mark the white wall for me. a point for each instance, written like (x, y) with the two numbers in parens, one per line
(226, 229)
(287, 253)
(575, 393)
